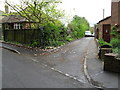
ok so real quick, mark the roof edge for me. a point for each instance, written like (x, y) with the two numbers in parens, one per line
(104, 19)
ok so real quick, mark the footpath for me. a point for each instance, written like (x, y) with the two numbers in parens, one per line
(95, 69)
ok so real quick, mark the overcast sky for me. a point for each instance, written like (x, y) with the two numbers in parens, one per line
(92, 10)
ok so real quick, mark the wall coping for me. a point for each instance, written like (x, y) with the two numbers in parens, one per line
(106, 48)
(115, 0)
(112, 54)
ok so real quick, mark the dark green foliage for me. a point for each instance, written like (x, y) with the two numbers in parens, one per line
(115, 40)
(78, 26)
(54, 35)
(103, 43)
(39, 11)
(69, 38)
(47, 29)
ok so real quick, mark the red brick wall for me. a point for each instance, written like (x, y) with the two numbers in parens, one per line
(100, 26)
(119, 14)
(115, 13)
(115, 18)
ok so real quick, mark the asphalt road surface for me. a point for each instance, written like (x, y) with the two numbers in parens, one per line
(19, 71)
(70, 58)
(62, 69)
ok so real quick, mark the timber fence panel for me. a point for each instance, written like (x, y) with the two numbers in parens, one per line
(24, 36)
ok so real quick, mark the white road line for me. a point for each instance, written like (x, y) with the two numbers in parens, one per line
(34, 60)
(56, 70)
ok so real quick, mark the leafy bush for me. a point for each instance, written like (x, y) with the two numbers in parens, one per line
(35, 44)
(103, 43)
(78, 26)
(54, 34)
(115, 40)
(69, 38)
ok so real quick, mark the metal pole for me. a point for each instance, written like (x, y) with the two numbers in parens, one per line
(103, 13)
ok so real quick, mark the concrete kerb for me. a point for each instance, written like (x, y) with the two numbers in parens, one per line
(11, 49)
(8, 48)
(53, 50)
(96, 40)
(98, 46)
(90, 80)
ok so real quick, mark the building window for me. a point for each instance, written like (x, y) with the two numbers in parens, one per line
(6, 27)
(17, 26)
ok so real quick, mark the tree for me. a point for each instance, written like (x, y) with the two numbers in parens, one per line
(39, 11)
(78, 26)
(45, 15)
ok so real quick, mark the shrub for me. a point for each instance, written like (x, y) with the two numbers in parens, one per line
(115, 40)
(103, 43)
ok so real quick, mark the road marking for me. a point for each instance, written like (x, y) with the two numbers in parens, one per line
(97, 74)
(34, 60)
(56, 70)
(68, 75)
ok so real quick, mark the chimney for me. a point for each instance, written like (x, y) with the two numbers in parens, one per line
(115, 12)
(6, 9)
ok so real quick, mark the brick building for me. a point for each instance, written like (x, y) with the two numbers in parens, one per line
(104, 26)
(15, 22)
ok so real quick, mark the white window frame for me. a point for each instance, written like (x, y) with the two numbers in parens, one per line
(17, 26)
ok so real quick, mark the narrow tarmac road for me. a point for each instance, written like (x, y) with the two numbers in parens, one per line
(19, 71)
(65, 68)
(70, 60)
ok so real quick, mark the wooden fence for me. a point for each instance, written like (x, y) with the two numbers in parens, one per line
(26, 36)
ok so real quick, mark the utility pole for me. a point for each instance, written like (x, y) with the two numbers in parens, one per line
(103, 13)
